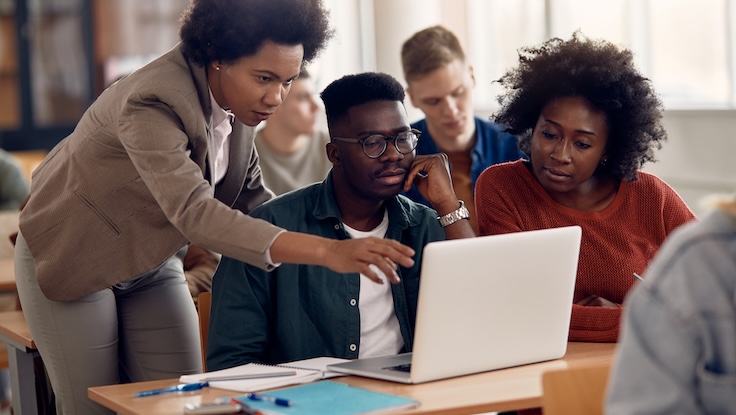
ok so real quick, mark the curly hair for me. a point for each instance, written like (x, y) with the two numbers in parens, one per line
(226, 30)
(602, 73)
(353, 90)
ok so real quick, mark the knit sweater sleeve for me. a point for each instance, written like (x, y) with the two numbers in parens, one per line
(495, 209)
(657, 210)
(594, 324)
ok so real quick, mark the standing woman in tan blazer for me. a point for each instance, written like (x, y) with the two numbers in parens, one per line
(164, 158)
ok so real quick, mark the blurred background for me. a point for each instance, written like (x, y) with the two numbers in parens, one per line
(56, 56)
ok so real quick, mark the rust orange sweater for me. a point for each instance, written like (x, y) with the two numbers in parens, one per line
(616, 241)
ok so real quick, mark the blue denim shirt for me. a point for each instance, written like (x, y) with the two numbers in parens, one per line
(492, 146)
(301, 311)
(677, 351)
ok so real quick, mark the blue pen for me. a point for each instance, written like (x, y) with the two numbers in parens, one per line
(185, 387)
(273, 399)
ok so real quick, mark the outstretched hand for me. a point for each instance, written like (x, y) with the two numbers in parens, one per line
(356, 255)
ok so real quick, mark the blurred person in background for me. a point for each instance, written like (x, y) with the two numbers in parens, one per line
(14, 187)
(677, 353)
(291, 145)
(13, 192)
(440, 83)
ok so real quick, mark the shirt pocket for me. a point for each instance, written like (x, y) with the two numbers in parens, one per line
(716, 391)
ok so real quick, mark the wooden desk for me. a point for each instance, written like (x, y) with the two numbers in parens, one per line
(21, 351)
(500, 390)
(7, 275)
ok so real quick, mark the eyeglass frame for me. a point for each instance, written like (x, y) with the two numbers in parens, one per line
(361, 141)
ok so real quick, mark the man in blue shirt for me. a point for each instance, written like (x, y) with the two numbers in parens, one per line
(440, 84)
(301, 311)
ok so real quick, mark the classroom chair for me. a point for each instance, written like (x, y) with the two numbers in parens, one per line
(204, 299)
(575, 390)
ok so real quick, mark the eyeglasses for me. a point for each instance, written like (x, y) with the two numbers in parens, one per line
(375, 145)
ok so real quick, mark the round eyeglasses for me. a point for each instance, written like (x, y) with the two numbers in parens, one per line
(375, 145)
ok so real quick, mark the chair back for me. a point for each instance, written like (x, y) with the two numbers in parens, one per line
(575, 390)
(204, 300)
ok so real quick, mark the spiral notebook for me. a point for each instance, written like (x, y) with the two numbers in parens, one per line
(254, 377)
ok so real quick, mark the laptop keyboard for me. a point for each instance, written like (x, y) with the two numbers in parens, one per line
(406, 367)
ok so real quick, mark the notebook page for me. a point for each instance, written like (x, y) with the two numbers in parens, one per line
(262, 377)
(318, 363)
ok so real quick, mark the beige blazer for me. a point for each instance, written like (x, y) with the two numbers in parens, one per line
(132, 184)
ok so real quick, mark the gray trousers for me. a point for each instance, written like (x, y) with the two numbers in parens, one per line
(146, 326)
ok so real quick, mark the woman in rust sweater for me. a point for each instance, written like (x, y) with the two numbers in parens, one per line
(588, 120)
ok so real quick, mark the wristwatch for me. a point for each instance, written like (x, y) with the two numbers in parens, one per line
(454, 216)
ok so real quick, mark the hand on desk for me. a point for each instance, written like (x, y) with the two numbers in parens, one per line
(595, 301)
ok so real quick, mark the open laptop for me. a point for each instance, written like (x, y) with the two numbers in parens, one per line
(486, 303)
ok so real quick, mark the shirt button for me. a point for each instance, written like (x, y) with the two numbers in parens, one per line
(353, 302)
(353, 347)
(337, 227)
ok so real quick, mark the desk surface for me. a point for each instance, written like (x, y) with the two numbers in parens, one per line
(13, 327)
(499, 390)
(7, 275)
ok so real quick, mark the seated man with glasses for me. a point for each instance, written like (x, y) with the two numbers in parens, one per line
(300, 311)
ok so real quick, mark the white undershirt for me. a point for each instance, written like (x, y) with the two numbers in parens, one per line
(380, 334)
(222, 122)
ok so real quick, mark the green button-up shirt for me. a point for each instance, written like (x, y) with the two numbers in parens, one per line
(300, 311)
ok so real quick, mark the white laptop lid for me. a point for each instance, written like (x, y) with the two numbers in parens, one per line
(490, 302)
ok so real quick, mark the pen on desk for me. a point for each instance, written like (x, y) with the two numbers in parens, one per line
(185, 387)
(275, 400)
(638, 277)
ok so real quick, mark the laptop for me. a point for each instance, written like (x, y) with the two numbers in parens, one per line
(486, 303)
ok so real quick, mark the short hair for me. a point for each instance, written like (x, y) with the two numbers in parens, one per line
(353, 90)
(429, 49)
(602, 73)
(226, 30)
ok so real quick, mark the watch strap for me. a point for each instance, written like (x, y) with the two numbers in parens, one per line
(454, 216)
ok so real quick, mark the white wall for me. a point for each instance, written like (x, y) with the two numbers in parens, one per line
(698, 158)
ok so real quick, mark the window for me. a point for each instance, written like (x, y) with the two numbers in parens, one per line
(684, 46)
(344, 54)
(45, 70)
